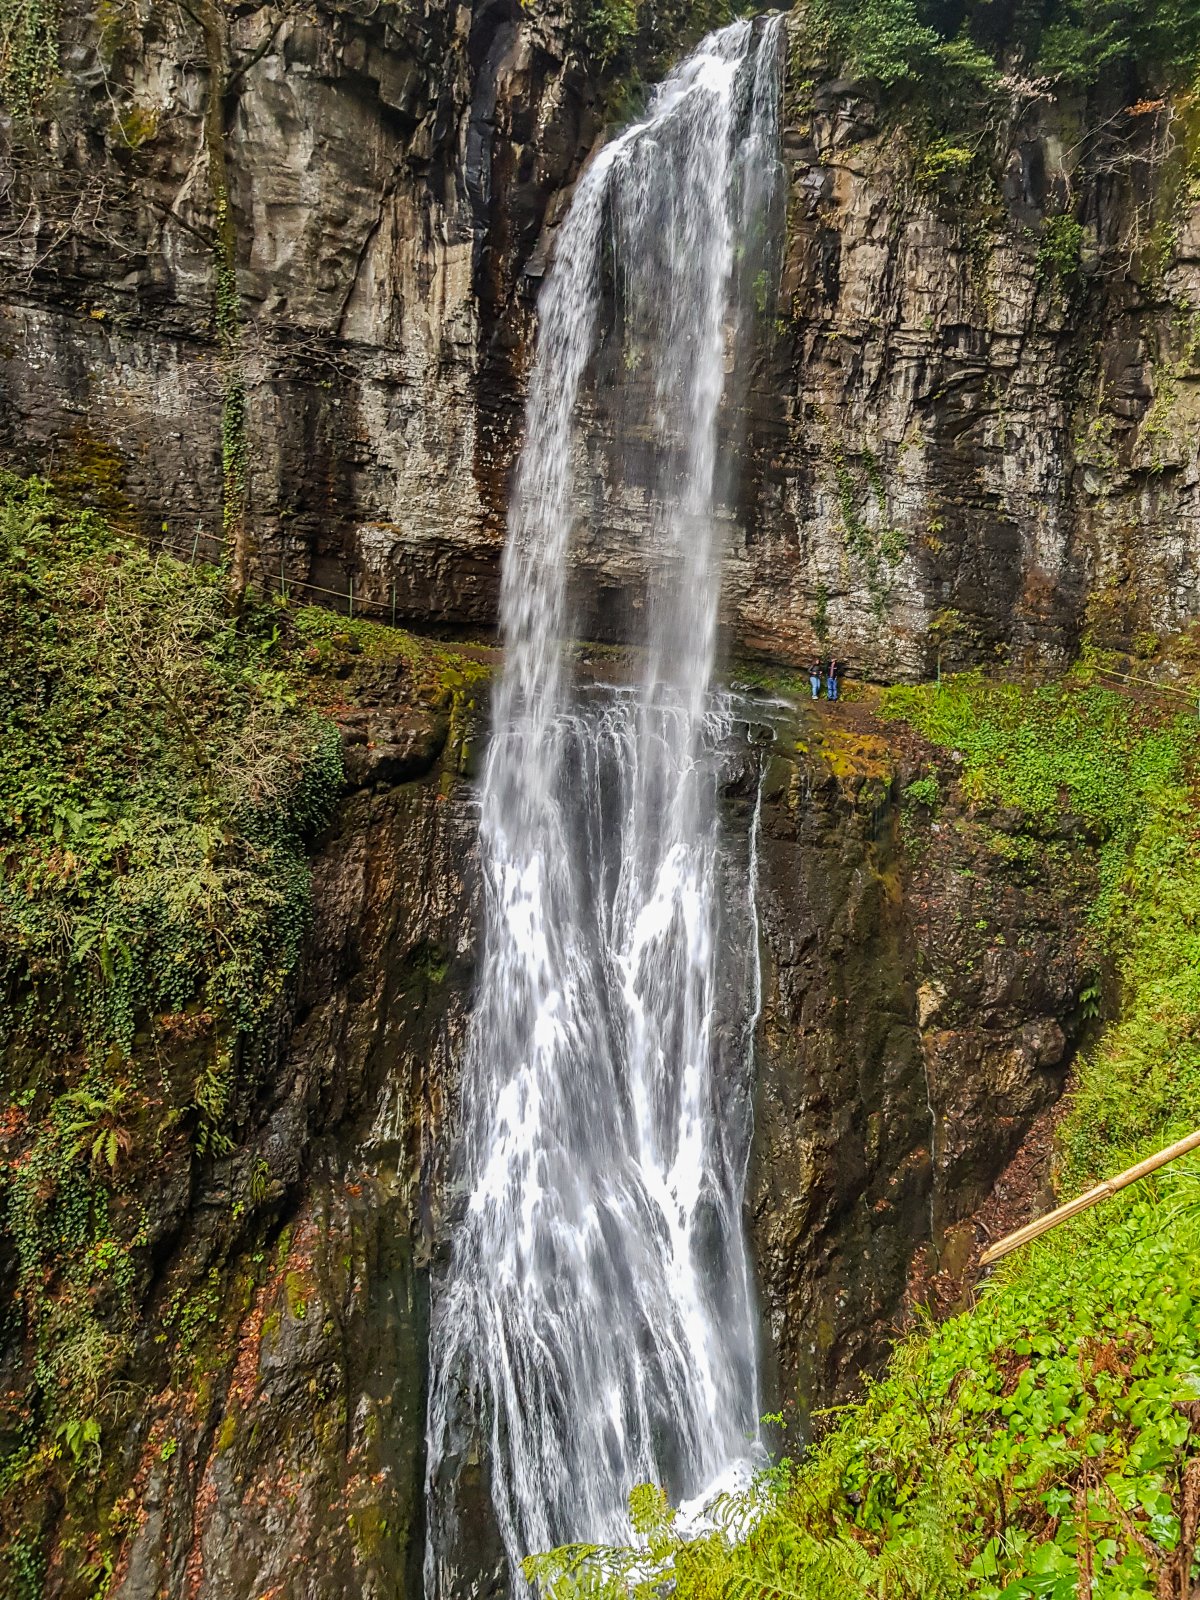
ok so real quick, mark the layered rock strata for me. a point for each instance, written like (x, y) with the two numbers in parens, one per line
(279, 267)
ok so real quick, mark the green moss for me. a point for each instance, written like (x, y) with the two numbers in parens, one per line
(296, 1292)
(228, 1431)
(283, 1246)
(92, 472)
(337, 645)
(136, 126)
(767, 678)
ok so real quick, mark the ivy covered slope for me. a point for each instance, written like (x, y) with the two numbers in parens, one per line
(1046, 1442)
(161, 778)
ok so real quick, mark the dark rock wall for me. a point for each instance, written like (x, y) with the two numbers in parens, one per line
(958, 439)
(386, 170)
(922, 973)
(971, 442)
(284, 1455)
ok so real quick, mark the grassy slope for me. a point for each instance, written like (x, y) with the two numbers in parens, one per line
(1038, 1445)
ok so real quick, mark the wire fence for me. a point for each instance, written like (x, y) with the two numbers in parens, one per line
(1192, 696)
(335, 599)
(385, 610)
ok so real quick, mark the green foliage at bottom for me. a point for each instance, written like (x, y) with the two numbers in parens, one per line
(1042, 1444)
(1010, 1452)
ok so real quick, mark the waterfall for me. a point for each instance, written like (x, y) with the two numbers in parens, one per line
(595, 1324)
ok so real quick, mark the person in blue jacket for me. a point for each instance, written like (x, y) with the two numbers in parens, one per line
(814, 678)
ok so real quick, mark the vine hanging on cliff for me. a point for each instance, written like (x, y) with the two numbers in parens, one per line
(28, 51)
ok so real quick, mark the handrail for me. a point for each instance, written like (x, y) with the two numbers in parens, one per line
(388, 608)
(1084, 1202)
(1192, 695)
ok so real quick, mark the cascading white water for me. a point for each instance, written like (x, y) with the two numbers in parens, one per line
(596, 1321)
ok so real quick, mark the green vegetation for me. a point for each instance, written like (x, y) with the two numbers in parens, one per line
(168, 762)
(1041, 1444)
(635, 43)
(28, 51)
(162, 777)
(924, 791)
(1064, 747)
(957, 50)
(1060, 248)
(877, 545)
(942, 161)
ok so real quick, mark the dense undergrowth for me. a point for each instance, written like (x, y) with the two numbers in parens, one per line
(1042, 1443)
(162, 775)
(167, 765)
(965, 49)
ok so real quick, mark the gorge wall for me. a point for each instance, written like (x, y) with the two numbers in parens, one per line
(921, 986)
(284, 263)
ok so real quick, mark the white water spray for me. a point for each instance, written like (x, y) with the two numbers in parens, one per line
(595, 1327)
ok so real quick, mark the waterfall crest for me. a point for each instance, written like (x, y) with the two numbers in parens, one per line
(596, 1320)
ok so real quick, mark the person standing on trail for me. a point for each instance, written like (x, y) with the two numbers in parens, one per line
(814, 678)
(831, 682)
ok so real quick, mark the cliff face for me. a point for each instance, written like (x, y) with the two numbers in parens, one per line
(916, 1017)
(922, 967)
(987, 441)
(277, 257)
(277, 268)
(280, 267)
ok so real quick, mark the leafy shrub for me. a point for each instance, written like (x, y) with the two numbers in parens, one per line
(1060, 247)
(925, 791)
(941, 161)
